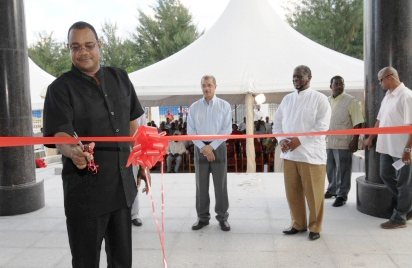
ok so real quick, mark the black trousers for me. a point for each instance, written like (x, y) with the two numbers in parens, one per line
(86, 236)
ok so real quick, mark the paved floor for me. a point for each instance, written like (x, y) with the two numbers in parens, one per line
(258, 214)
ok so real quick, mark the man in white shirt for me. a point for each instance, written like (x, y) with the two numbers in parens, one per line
(175, 151)
(305, 110)
(210, 116)
(395, 110)
(258, 114)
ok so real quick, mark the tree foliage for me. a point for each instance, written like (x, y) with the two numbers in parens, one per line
(50, 55)
(170, 30)
(336, 24)
(117, 52)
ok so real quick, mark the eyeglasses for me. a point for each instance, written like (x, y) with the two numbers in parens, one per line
(380, 80)
(299, 76)
(77, 48)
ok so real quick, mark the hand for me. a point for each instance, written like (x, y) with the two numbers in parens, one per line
(284, 146)
(79, 157)
(207, 149)
(353, 145)
(211, 157)
(294, 143)
(367, 143)
(141, 175)
(406, 158)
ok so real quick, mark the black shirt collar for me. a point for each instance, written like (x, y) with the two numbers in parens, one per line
(99, 73)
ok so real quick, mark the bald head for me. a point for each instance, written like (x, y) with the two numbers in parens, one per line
(389, 71)
(389, 78)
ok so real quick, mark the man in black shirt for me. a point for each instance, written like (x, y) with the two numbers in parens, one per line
(94, 101)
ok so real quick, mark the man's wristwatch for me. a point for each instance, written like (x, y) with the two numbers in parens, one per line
(408, 150)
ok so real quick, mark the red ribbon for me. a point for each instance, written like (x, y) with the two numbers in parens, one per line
(26, 141)
(161, 232)
(148, 149)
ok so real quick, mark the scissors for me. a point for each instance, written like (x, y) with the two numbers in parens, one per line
(91, 166)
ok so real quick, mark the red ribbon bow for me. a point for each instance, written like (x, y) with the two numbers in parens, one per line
(149, 147)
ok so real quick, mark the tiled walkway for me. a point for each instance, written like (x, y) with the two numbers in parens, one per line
(258, 214)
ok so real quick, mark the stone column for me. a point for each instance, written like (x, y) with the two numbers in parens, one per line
(387, 42)
(19, 190)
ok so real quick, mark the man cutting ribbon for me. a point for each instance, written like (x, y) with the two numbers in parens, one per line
(94, 101)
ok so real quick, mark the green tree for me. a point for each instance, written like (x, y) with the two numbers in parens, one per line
(170, 30)
(50, 55)
(336, 24)
(117, 52)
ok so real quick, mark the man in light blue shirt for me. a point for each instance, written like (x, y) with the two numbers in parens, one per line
(210, 116)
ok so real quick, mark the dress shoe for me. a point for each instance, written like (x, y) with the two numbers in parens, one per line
(224, 225)
(329, 195)
(292, 230)
(339, 202)
(314, 236)
(137, 222)
(392, 225)
(409, 215)
(199, 225)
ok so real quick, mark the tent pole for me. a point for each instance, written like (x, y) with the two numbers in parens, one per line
(149, 114)
(235, 114)
(250, 145)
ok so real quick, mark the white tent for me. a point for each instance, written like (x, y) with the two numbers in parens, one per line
(39, 81)
(249, 49)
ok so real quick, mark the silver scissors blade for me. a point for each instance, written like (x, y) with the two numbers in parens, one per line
(77, 138)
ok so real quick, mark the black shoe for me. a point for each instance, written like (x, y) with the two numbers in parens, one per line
(199, 225)
(314, 236)
(137, 222)
(339, 202)
(409, 215)
(292, 230)
(329, 195)
(224, 225)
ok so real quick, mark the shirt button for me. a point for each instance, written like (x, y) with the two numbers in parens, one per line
(105, 95)
(112, 113)
(117, 130)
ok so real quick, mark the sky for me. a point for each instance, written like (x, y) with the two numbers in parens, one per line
(58, 15)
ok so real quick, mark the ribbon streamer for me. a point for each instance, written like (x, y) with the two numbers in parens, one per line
(27, 141)
(161, 232)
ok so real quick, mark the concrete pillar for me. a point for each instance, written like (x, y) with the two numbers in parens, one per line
(19, 190)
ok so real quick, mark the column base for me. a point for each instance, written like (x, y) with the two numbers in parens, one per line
(373, 199)
(20, 199)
